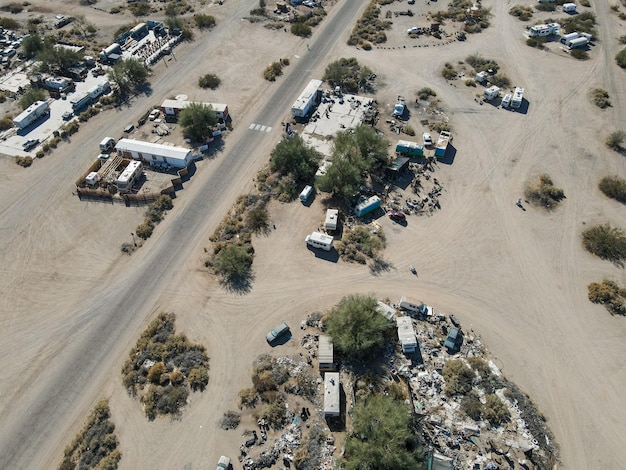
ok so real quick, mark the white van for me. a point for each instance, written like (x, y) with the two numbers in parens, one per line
(569, 7)
(306, 193)
(107, 144)
(506, 101)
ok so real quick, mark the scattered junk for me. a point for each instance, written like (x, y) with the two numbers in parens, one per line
(491, 93)
(518, 97)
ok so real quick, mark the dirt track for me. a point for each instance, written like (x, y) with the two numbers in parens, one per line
(519, 278)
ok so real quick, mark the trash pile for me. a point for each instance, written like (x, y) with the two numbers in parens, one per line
(285, 445)
(447, 430)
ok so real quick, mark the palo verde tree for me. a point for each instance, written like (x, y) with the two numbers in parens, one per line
(354, 154)
(357, 328)
(197, 120)
(382, 437)
(57, 59)
(295, 158)
(128, 74)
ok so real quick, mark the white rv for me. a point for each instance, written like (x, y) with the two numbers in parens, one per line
(306, 193)
(319, 240)
(569, 7)
(506, 101)
(130, 174)
(491, 92)
(518, 97)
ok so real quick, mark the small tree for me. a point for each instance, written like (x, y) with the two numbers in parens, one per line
(614, 187)
(495, 410)
(32, 45)
(458, 377)
(615, 140)
(606, 242)
(197, 120)
(294, 157)
(210, 80)
(204, 21)
(609, 294)
(620, 58)
(301, 29)
(357, 328)
(233, 263)
(32, 95)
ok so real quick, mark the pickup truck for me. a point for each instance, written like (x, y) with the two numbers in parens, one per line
(223, 463)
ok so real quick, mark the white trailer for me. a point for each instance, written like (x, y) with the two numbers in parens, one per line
(491, 93)
(319, 240)
(518, 97)
(569, 7)
(130, 174)
(578, 43)
(542, 30)
(406, 334)
(80, 101)
(331, 219)
(31, 114)
(331, 394)
(568, 37)
(307, 99)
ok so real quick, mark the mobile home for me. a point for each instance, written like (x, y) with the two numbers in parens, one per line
(307, 99)
(130, 174)
(325, 353)
(176, 157)
(331, 219)
(406, 334)
(331, 394)
(319, 240)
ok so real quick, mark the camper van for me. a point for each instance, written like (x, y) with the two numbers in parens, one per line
(506, 101)
(569, 7)
(320, 240)
(306, 194)
(107, 144)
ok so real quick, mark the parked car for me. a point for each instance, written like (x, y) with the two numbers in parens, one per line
(277, 333)
(30, 144)
(414, 30)
(67, 115)
(129, 128)
(428, 140)
(397, 216)
(154, 114)
(223, 463)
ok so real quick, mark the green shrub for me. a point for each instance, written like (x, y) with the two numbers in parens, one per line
(622, 39)
(495, 411)
(480, 64)
(585, 3)
(620, 58)
(210, 80)
(609, 294)
(614, 187)
(248, 397)
(546, 7)
(145, 229)
(425, 93)
(32, 95)
(471, 82)
(500, 80)
(230, 420)
(471, 406)
(600, 98)
(9, 23)
(25, 161)
(301, 29)
(615, 140)
(139, 8)
(543, 192)
(13, 8)
(523, 13)
(275, 413)
(536, 42)
(408, 130)
(579, 54)
(6, 123)
(606, 242)
(448, 72)
(198, 378)
(204, 21)
(359, 244)
(458, 377)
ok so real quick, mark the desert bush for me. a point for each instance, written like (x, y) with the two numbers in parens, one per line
(139, 8)
(13, 8)
(620, 58)
(480, 64)
(369, 28)
(583, 22)
(163, 203)
(425, 93)
(585, 3)
(6, 123)
(495, 411)
(579, 54)
(600, 98)
(9, 23)
(479, 365)
(408, 130)
(164, 400)
(248, 397)
(3, 97)
(622, 39)
(155, 372)
(128, 248)
(606, 242)
(309, 455)
(24, 162)
(470, 82)
(32, 95)
(204, 21)
(210, 80)
(359, 244)
(96, 445)
(230, 420)
(536, 42)
(609, 294)
(500, 80)
(523, 13)
(346, 73)
(615, 140)
(275, 412)
(546, 7)
(439, 126)
(301, 29)
(543, 192)
(448, 72)
(272, 71)
(614, 187)
(471, 406)
(458, 377)
(145, 229)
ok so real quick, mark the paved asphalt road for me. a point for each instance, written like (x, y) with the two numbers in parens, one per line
(112, 315)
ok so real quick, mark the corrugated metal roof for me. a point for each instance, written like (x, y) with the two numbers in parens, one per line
(131, 145)
(325, 350)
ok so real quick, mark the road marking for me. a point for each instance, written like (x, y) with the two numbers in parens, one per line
(259, 127)
(252, 126)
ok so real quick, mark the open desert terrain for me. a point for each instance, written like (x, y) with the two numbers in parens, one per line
(72, 305)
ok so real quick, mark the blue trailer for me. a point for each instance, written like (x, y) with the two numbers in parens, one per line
(367, 206)
(404, 147)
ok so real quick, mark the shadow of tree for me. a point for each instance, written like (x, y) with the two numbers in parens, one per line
(379, 266)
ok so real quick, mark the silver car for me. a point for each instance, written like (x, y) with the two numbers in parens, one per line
(277, 332)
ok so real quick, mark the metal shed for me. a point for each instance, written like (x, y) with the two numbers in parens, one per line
(325, 353)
